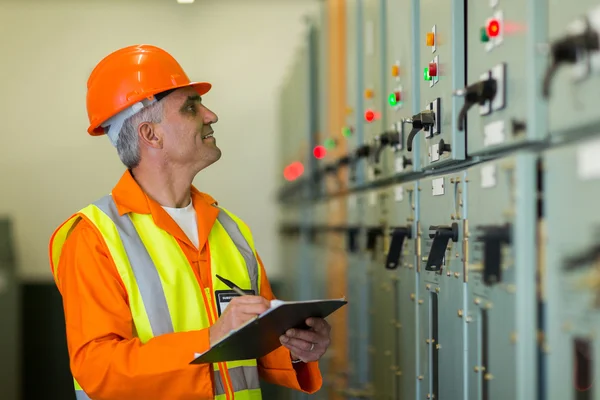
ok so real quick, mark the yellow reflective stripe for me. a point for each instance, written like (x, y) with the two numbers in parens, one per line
(241, 363)
(254, 394)
(248, 236)
(58, 240)
(113, 241)
(181, 289)
(143, 268)
(234, 232)
(225, 261)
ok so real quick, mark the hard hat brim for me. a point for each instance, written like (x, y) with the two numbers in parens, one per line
(201, 87)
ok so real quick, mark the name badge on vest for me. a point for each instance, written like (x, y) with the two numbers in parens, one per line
(224, 297)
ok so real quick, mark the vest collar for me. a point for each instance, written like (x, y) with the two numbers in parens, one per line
(129, 197)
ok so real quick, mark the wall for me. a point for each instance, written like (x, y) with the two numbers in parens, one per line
(52, 167)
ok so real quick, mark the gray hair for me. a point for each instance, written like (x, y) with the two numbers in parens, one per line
(128, 143)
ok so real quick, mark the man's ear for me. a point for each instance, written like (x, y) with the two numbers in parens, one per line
(149, 136)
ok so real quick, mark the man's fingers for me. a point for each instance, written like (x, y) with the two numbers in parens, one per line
(250, 300)
(308, 336)
(298, 343)
(250, 309)
(318, 324)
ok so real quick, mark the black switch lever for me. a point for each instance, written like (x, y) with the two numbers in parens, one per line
(391, 138)
(493, 237)
(289, 230)
(423, 120)
(569, 50)
(372, 235)
(406, 161)
(441, 235)
(444, 147)
(330, 168)
(352, 234)
(361, 152)
(345, 160)
(584, 259)
(477, 93)
(398, 236)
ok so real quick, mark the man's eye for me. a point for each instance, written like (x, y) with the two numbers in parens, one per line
(192, 107)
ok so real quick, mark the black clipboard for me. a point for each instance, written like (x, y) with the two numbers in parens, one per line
(260, 336)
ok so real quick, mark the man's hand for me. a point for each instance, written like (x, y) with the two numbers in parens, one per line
(239, 311)
(308, 345)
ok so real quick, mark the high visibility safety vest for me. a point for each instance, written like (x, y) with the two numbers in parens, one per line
(163, 292)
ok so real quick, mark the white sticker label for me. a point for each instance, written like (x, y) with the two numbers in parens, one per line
(588, 162)
(493, 133)
(488, 176)
(434, 153)
(399, 164)
(372, 198)
(399, 193)
(437, 186)
(493, 3)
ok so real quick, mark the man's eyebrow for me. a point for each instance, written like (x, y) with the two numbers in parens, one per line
(192, 100)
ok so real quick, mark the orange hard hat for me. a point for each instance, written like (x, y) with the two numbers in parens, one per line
(129, 76)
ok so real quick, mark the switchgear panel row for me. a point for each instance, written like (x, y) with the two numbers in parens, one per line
(467, 190)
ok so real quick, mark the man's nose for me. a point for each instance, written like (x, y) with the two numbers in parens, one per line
(210, 117)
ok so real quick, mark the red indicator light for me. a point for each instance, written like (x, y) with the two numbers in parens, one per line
(319, 152)
(371, 115)
(432, 69)
(493, 28)
(293, 171)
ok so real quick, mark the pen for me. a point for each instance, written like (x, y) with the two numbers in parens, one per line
(232, 286)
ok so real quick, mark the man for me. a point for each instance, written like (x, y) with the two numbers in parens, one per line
(137, 269)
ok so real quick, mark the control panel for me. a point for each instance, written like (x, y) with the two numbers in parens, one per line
(391, 157)
(442, 52)
(572, 249)
(573, 67)
(441, 286)
(374, 23)
(399, 271)
(495, 110)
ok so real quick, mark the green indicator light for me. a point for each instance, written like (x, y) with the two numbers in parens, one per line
(346, 132)
(426, 74)
(392, 99)
(329, 144)
(483, 34)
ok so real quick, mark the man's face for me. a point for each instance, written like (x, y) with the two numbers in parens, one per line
(186, 129)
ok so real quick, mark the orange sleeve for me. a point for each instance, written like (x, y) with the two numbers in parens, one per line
(105, 357)
(277, 368)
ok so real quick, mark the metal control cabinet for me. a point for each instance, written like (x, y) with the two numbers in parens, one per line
(390, 156)
(442, 70)
(374, 89)
(572, 87)
(382, 346)
(572, 190)
(441, 305)
(497, 113)
(358, 295)
(501, 291)
(398, 274)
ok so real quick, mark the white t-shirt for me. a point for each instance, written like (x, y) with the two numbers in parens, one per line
(186, 219)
